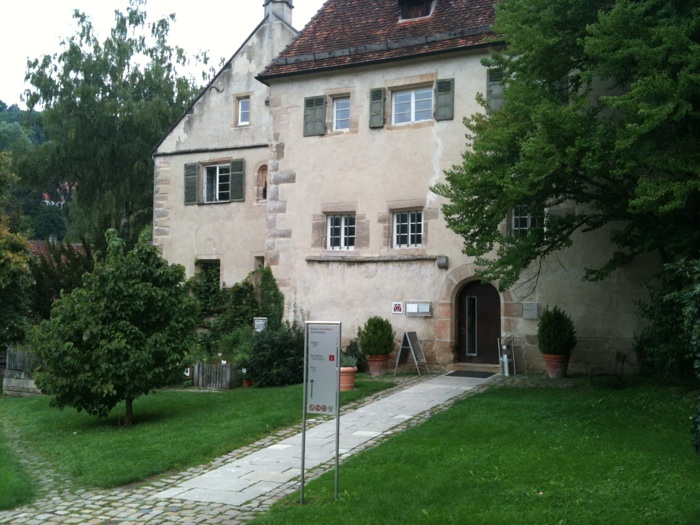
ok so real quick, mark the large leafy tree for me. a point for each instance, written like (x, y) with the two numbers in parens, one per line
(121, 335)
(600, 126)
(15, 276)
(15, 284)
(106, 104)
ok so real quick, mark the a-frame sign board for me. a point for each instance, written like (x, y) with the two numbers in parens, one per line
(411, 344)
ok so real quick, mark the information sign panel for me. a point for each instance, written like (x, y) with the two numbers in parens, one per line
(323, 346)
(321, 383)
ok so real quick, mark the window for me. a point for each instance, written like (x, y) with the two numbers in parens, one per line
(377, 97)
(340, 232)
(414, 8)
(445, 99)
(314, 116)
(217, 183)
(522, 221)
(243, 111)
(494, 89)
(341, 114)
(413, 105)
(212, 183)
(261, 189)
(408, 229)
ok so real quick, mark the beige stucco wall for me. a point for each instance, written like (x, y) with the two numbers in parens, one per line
(232, 232)
(373, 171)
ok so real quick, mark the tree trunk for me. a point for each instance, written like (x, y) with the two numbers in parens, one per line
(129, 411)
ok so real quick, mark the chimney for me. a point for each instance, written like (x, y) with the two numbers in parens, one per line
(282, 9)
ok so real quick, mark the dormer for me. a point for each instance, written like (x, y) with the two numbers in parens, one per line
(410, 9)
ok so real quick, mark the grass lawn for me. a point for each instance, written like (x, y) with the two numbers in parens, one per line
(15, 486)
(527, 456)
(173, 430)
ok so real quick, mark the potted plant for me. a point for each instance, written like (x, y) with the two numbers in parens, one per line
(348, 369)
(376, 340)
(556, 338)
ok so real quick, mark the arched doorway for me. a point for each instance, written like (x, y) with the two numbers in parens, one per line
(478, 323)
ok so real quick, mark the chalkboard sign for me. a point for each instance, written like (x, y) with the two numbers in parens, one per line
(411, 344)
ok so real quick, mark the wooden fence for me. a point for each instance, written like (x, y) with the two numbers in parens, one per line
(216, 377)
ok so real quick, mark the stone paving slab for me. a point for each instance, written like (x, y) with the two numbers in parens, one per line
(233, 489)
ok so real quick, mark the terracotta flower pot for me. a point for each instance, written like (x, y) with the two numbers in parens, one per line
(347, 378)
(378, 364)
(556, 365)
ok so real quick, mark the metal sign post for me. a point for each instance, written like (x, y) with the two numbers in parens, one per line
(321, 382)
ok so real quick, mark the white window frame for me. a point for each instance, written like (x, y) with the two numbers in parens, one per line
(218, 176)
(410, 103)
(243, 111)
(408, 229)
(341, 114)
(522, 221)
(341, 231)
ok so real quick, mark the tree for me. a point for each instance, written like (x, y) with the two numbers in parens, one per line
(15, 284)
(106, 105)
(121, 335)
(599, 127)
(12, 133)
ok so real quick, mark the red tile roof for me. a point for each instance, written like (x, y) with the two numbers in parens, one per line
(41, 249)
(348, 33)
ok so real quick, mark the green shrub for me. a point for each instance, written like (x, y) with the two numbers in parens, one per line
(206, 288)
(277, 357)
(271, 299)
(236, 308)
(347, 360)
(376, 337)
(555, 332)
(237, 347)
(353, 349)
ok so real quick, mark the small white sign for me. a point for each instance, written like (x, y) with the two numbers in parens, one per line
(397, 307)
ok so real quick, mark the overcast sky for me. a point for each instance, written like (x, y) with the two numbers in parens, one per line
(33, 28)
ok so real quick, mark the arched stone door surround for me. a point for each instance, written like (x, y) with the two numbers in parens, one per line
(446, 326)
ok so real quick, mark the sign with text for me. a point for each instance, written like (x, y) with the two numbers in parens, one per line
(321, 383)
(322, 355)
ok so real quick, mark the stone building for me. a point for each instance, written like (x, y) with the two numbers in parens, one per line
(354, 121)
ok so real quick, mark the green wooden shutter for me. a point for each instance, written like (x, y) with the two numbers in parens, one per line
(191, 183)
(376, 107)
(314, 116)
(494, 88)
(445, 99)
(238, 180)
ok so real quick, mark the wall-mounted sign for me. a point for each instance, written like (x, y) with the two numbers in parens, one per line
(397, 307)
(418, 308)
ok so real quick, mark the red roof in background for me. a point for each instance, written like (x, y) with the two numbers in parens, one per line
(354, 32)
(41, 248)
